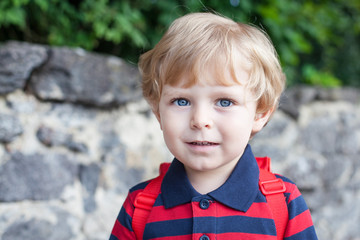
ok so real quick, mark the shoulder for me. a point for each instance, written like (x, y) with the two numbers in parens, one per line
(289, 184)
(136, 189)
(292, 192)
(295, 201)
(285, 179)
(140, 186)
(300, 224)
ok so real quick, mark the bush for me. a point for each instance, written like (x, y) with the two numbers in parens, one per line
(318, 41)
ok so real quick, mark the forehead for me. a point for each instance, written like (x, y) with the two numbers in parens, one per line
(221, 70)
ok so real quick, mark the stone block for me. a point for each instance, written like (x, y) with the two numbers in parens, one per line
(17, 61)
(77, 76)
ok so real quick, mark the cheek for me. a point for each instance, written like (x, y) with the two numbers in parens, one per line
(237, 128)
(171, 128)
(171, 137)
(172, 120)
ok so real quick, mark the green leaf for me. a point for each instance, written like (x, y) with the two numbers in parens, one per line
(43, 4)
(14, 16)
(320, 78)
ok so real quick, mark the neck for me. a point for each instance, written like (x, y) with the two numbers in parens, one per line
(208, 181)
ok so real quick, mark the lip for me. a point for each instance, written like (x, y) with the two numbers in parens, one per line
(202, 147)
(203, 143)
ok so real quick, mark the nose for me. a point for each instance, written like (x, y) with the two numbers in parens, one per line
(201, 118)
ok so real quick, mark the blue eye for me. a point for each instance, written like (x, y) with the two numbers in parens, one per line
(182, 102)
(224, 103)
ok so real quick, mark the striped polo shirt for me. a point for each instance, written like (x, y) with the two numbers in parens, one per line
(236, 210)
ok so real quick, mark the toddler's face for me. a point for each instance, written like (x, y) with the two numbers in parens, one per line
(207, 126)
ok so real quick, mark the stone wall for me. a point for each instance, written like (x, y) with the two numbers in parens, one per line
(75, 134)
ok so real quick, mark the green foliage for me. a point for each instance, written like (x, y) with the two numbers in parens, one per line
(84, 24)
(315, 77)
(318, 41)
(308, 35)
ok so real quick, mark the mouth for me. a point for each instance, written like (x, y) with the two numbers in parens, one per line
(203, 143)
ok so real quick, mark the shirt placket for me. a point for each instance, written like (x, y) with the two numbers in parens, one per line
(204, 218)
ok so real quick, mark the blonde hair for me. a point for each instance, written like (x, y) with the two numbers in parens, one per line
(195, 41)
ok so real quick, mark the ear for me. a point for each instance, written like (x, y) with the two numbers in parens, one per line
(261, 120)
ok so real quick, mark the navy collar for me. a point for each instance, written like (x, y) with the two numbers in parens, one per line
(238, 192)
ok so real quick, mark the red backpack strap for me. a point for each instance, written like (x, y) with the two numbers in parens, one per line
(145, 200)
(273, 188)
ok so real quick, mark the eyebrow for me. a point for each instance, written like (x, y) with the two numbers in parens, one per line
(172, 91)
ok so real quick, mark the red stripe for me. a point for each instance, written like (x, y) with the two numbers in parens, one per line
(247, 236)
(159, 213)
(181, 237)
(299, 223)
(128, 206)
(258, 210)
(293, 190)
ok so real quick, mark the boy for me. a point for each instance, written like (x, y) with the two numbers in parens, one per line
(212, 84)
